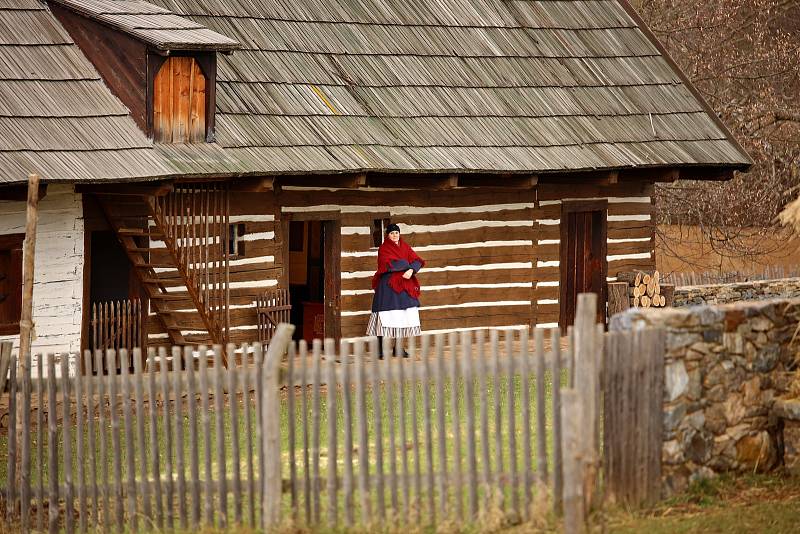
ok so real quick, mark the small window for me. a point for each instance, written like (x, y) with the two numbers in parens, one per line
(179, 102)
(379, 231)
(236, 241)
(10, 283)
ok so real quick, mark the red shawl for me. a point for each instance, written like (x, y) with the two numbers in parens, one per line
(389, 252)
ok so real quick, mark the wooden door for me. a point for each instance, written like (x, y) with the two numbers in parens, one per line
(332, 239)
(583, 263)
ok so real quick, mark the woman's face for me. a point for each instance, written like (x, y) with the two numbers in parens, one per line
(394, 236)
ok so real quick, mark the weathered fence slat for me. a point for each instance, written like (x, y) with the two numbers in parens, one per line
(347, 421)
(555, 342)
(441, 430)
(271, 483)
(291, 437)
(458, 481)
(426, 408)
(167, 433)
(573, 497)
(66, 407)
(205, 406)
(177, 365)
(80, 452)
(153, 417)
(129, 439)
(52, 442)
(525, 389)
(469, 408)
(541, 423)
(233, 405)
(378, 426)
(388, 388)
(512, 430)
(219, 418)
(482, 368)
(91, 442)
(402, 419)
(138, 375)
(330, 365)
(494, 340)
(194, 454)
(113, 403)
(363, 448)
(304, 424)
(103, 429)
(316, 379)
(412, 353)
(258, 376)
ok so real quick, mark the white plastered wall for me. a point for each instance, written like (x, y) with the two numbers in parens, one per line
(58, 271)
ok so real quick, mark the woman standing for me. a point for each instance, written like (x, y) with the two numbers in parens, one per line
(395, 307)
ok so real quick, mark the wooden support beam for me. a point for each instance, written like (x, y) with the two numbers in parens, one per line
(588, 178)
(649, 175)
(253, 185)
(338, 181)
(414, 181)
(20, 192)
(510, 181)
(705, 173)
(150, 189)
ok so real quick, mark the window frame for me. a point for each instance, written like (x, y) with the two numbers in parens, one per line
(8, 243)
(377, 239)
(236, 243)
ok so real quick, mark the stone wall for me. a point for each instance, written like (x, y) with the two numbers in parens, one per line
(725, 366)
(730, 293)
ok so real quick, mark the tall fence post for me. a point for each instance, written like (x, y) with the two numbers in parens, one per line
(270, 427)
(587, 386)
(572, 456)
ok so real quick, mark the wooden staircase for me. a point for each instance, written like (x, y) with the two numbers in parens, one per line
(182, 267)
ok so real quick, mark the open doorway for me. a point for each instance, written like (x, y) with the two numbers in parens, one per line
(314, 247)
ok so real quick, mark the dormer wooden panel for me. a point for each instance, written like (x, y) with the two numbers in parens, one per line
(120, 60)
(179, 110)
(170, 92)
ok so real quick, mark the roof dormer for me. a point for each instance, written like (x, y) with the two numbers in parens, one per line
(162, 66)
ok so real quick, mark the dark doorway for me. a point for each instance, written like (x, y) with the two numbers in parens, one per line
(314, 250)
(110, 269)
(583, 262)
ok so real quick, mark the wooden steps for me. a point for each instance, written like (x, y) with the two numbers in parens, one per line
(134, 225)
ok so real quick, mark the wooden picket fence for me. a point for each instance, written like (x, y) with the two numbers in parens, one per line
(117, 325)
(466, 428)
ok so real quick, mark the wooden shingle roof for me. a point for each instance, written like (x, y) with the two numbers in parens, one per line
(507, 86)
(454, 85)
(151, 24)
(57, 117)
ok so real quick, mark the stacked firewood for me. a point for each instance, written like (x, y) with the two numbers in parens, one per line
(645, 289)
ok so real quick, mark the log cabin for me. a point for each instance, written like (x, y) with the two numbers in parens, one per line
(196, 155)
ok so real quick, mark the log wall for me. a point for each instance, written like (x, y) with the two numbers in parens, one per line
(477, 243)
(631, 236)
(492, 255)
